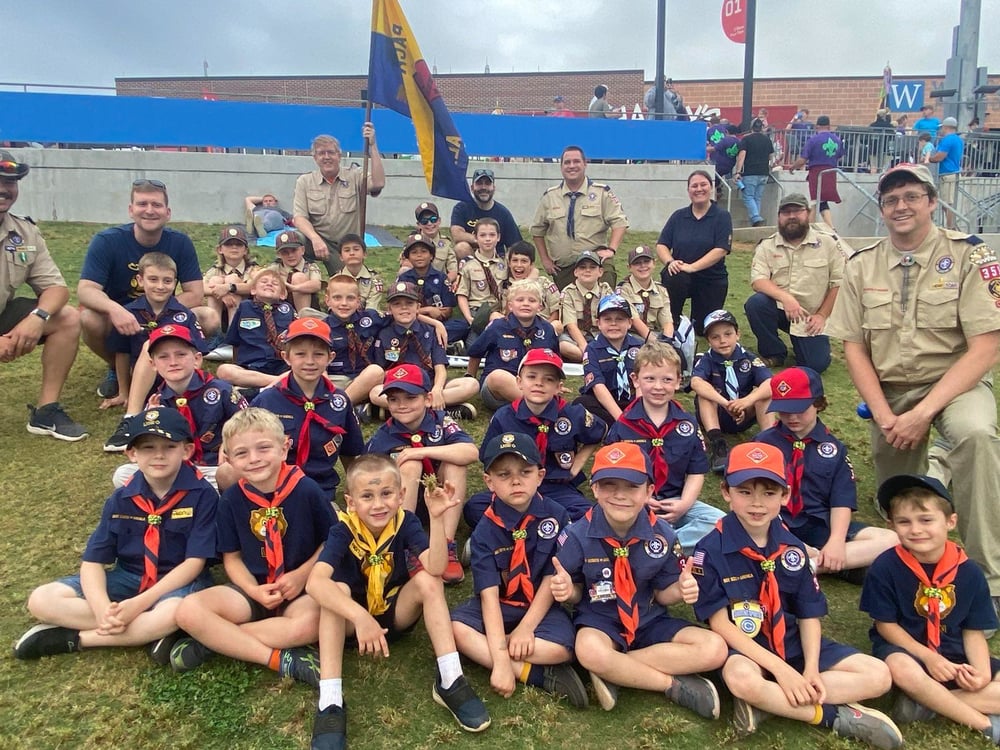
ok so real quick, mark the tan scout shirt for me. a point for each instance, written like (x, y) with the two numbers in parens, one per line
(445, 259)
(370, 288)
(656, 299)
(333, 208)
(808, 272)
(575, 301)
(26, 259)
(596, 211)
(472, 282)
(915, 334)
(551, 299)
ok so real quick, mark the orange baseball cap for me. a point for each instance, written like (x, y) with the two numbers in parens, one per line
(755, 461)
(622, 461)
(314, 327)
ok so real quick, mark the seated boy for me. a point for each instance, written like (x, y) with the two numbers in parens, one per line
(429, 225)
(227, 282)
(316, 414)
(436, 298)
(930, 604)
(822, 494)
(521, 265)
(505, 342)
(609, 360)
(649, 299)
(255, 333)
(377, 574)
(619, 565)
(758, 593)
(302, 278)
(352, 251)
(732, 387)
(352, 333)
(512, 626)
(425, 442)
(406, 340)
(481, 279)
(157, 531)
(271, 527)
(204, 401)
(579, 306)
(669, 435)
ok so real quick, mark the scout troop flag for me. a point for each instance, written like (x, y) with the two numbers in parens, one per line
(398, 78)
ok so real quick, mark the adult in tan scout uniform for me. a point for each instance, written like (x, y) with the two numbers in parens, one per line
(327, 202)
(25, 322)
(577, 214)
(795, 275)
(919, 316)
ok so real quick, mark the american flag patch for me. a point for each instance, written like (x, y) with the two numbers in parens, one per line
(698, 558)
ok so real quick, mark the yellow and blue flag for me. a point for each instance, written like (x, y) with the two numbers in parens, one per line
(399, 79)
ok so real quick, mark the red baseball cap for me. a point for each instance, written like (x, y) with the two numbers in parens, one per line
(542, 357)
(622, 461)
(314, 327)
(794, 390)
(755, 461)
(407, 377)
(171, 331)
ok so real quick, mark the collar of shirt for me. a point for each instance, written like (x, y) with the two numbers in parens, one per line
(584, 292)
(583, 189)
(428, 424)
(513, 322)
(820, 433)
(713, 209)
(735, 537)
(811, 239)
(550, 412)
(321, 180)
(486, 261)
(187, 479)
(637, 410)
(922, 254)
(511, 517)
(196, 382)
(599, 527)
(417, 327)
(634, 284)
(738, 353)
(324, 388)
(629, 342)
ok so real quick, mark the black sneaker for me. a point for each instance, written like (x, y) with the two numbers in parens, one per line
(159, 651)
(300, 664)
(51, 419)
(696, 693)
(906, 710)
(330, 729)
(718, 455)
(562, 680)
(461, 411)
(773, 362)
(188, 654)
(867, 725)
(46, 640)
(457, 349)
(464, 704)
(606, 692)
(119, 438)
(108, 387)
(363, 413)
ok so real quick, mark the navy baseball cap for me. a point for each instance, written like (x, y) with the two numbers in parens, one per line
(163, 421)
(794, 390)
(515, 443)
(622, 461)
(902, 482)
(719, 316)
(612, 302)
(408, 378)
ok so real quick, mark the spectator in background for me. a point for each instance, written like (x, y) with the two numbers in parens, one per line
(948, 157)
(672, 99)
(927, 121)
(723, 148)
(466, 214)
(559, 108)
(753, 164)
(264, 215)
(902, 122)
(599, 106)
(821, 153)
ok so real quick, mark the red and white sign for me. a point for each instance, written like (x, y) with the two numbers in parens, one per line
(734, 20)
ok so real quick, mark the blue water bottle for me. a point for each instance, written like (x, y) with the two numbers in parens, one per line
(739, 184)
(863, 411)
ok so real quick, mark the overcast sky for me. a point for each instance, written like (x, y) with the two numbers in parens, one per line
(91, 43)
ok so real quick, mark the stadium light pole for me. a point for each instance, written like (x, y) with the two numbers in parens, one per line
(661, 45)
(748, 45)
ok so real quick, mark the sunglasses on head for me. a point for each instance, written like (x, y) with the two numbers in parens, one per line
(428, 219)
(9, 166)
(149, 183)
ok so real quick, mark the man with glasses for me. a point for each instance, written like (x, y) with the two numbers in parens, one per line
(109, 281)
(795, 276)
(919, 314)
(327, 201)
(26, 322)
(465, 214)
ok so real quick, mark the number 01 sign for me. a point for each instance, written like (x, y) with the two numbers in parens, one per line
(734, 20)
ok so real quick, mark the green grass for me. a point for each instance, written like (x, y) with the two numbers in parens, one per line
(50, 498)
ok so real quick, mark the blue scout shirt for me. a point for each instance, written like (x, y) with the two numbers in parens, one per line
(728, 579)
(416, 345)
(750, 370)
(186, 531)
(305, 518)
(212, 402)
(248, 333)
(690, 238)
(173, 312)
(433, 288)
(366, 324)
(600, 365)
(503, 343)
(435, 429)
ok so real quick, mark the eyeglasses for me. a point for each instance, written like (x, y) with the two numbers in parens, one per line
(325, 153)
(149, 183)
(427, 219)
(910, 199)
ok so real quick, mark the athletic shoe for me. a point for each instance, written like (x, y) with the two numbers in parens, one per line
(996, 608)
(300, 664)
(188, 654)
(719, 455)
(994, 733)
(773, 362)
(906, 710)
(330, 729)
(606, 692)
(51, 419)
(562, 680)
(464, 704)
(696, 693)
(466, 557)
(747, 718)
(461, 411)
(855, 576)
(363, 413)
(457, 349)
(453, 573)
(159, 651)
(46, 640)
(868, 725)
(108, 387)
(119, 438)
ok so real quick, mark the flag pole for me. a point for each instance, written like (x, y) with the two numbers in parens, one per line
(363, 214)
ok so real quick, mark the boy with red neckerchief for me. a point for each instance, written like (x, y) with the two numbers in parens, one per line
(930, 604)
(757, 591)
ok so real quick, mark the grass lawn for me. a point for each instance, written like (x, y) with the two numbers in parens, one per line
(51, 495)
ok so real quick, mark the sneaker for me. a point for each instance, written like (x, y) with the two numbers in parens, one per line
(453, 572)
(868, 725)
(466, 557)
(188, 654)
(606, 692)
(696, 693)
(996, 608)
(46, 640)
(159, 651)
(469, 711)
(456, 349)
(758, 223)
(719, 455)
(906, 710)
(854, 576)
(363, 413)
(462, 411)
(300, 664)
(330, 729)
(562, 680)
(119, 438)
(747, 718)
(994, 733)
(51, 419)
(108, 387)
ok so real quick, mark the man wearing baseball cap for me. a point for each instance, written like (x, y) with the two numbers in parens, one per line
(795, 275)
(466, 214)
(919, 313)
(948, 157)
(46, 319)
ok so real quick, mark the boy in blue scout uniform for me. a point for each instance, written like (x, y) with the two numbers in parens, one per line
(271, 527)
(377, 574)
(352, 251)
(930, 605)
(505, 342)
(436, 298)
(581, 306)
(732, 387)
(758, 593)
(566, 435)
(352, 334)
(205, 402)
(255, 333)
(424, 441)
(316, 414)
(620, 566)
(669, 436)
(609, 361)
(512, 625)
(822, 493)
(158, 531)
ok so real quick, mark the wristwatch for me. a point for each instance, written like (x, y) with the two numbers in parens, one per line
(232, 288)
(40, 313)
